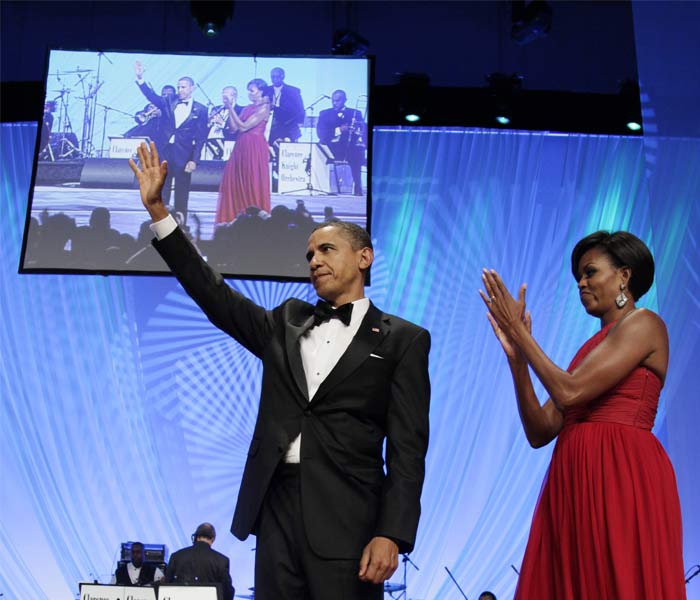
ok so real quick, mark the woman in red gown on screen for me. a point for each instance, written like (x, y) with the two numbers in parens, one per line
(246, 178)
(607, 523)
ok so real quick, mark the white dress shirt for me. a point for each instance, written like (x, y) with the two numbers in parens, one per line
(321, 349)
(321, 346)
(134, 573)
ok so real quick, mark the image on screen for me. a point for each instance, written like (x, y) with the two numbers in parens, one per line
(246, 187)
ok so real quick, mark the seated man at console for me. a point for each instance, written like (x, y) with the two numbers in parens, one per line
(342, 129)
(136, 571)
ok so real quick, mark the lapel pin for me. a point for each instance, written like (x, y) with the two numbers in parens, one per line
(375, 329)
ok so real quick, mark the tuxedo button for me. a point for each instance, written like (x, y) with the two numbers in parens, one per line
(307, 412)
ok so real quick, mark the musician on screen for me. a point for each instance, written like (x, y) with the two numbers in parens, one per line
(344, 131)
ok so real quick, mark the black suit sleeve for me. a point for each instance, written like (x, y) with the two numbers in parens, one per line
(325, 127)
(154, 98)
(249, 324)
(297, 107)
(407, 445)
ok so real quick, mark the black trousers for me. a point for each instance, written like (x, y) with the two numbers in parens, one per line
(182, 183)
(286, 568)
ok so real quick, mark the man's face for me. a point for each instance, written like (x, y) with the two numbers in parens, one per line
(338, 101)
(277, 77)
(184, 89)
(230, 93)
(137, 555)
(336, 269)
(167, 92)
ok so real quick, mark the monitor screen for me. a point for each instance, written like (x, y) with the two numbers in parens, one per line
(260, 150)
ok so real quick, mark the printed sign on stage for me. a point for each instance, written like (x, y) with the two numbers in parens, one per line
(95, 591)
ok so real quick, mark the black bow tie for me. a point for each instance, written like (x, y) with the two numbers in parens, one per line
(185, 102)
(323, 312)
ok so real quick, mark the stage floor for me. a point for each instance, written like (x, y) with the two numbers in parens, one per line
(127, 212)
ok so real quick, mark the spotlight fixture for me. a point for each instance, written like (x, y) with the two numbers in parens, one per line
(630, 105)
(531, 20)
(504, 91)
(413, 92)
(349, 43)
(211, 16)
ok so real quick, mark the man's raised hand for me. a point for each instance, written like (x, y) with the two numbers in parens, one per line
(150, 173)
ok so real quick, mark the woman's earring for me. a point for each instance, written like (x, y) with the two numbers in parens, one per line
(621, 299)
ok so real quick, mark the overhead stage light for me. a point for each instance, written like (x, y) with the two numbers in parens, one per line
(211, 16)
(630, 105)
(504, 90)
(531, 20)
(349, 43)
(413, 92)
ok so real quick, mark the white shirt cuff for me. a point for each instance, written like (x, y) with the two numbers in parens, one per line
(164, 227)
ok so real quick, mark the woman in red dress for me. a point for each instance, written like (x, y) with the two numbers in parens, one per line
(246, 178)
(607, 523)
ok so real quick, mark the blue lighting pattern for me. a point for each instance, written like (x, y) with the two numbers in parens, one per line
(126, 415)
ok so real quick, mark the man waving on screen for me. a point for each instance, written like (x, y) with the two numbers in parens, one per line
(340, 380)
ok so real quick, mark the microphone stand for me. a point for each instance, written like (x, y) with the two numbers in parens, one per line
(309, 186)
(461, 591)
(104, 123)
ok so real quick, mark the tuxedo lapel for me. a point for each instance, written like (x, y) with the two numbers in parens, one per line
(292, 334)
(370, 334)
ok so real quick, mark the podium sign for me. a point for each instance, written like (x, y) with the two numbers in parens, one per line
(94, 591)
(121, 147)
(292, 168)
(187, 592)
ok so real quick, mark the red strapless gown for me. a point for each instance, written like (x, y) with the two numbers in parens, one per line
(607, 525)
(246, 178)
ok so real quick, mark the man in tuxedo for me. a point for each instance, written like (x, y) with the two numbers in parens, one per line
(184, 129)
(340, 380)
(287, 108)
(344, 131)
(219, 125)
(200, 563)
(136, 572)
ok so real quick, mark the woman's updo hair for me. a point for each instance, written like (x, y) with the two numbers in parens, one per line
(258, 83)
(624, 250)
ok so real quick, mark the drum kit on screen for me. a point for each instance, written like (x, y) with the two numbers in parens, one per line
(59, 140)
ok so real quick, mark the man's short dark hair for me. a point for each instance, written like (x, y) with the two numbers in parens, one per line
(206, 531)
(139, 544)
(487, 596)
(624, 250)
(356, 235)
(187, 79)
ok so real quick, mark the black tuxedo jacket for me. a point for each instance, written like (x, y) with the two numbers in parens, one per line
(189, 137)
(379, 390)
(200, 563)
(288, 115)
(330, 119)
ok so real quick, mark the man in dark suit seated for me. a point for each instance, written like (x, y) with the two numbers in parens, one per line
(183, 126)
(136, 572)
(340, 380)
(200, 563)
(343, 130)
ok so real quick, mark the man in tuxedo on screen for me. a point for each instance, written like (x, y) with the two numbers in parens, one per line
(184, 131)
(340, 380)
(200, 563)
(343, 130)
(287, 108)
